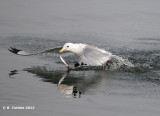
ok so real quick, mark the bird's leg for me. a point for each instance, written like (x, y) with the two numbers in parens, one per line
(68, 67)
(76, 64)
(109, 62)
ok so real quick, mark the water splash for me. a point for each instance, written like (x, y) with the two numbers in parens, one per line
(134, 61)
(144, 61)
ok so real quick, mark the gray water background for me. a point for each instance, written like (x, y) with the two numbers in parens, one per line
(126, 28)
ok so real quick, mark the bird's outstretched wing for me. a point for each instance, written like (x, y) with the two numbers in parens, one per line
(23, 53)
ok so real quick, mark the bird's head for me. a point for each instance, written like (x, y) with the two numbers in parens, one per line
(67, 47)
(74, 48)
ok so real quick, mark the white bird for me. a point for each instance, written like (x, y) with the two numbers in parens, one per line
(89, 55)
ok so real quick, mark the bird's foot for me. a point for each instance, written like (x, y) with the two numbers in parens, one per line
(109, 62)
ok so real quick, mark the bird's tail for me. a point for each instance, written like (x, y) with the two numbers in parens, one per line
(122, 61)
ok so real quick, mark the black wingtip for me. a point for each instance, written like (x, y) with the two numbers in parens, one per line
(14, 50)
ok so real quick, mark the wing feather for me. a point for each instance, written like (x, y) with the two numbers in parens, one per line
(94, 56)
(23, 53)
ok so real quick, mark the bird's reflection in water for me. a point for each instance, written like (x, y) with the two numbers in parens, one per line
(72, 84)
(69, 89)
(13, 72)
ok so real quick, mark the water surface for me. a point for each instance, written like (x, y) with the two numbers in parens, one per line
(129, 29)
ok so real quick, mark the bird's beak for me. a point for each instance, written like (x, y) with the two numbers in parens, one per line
(62, 50)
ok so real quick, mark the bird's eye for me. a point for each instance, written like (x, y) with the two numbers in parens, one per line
(67, 46)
